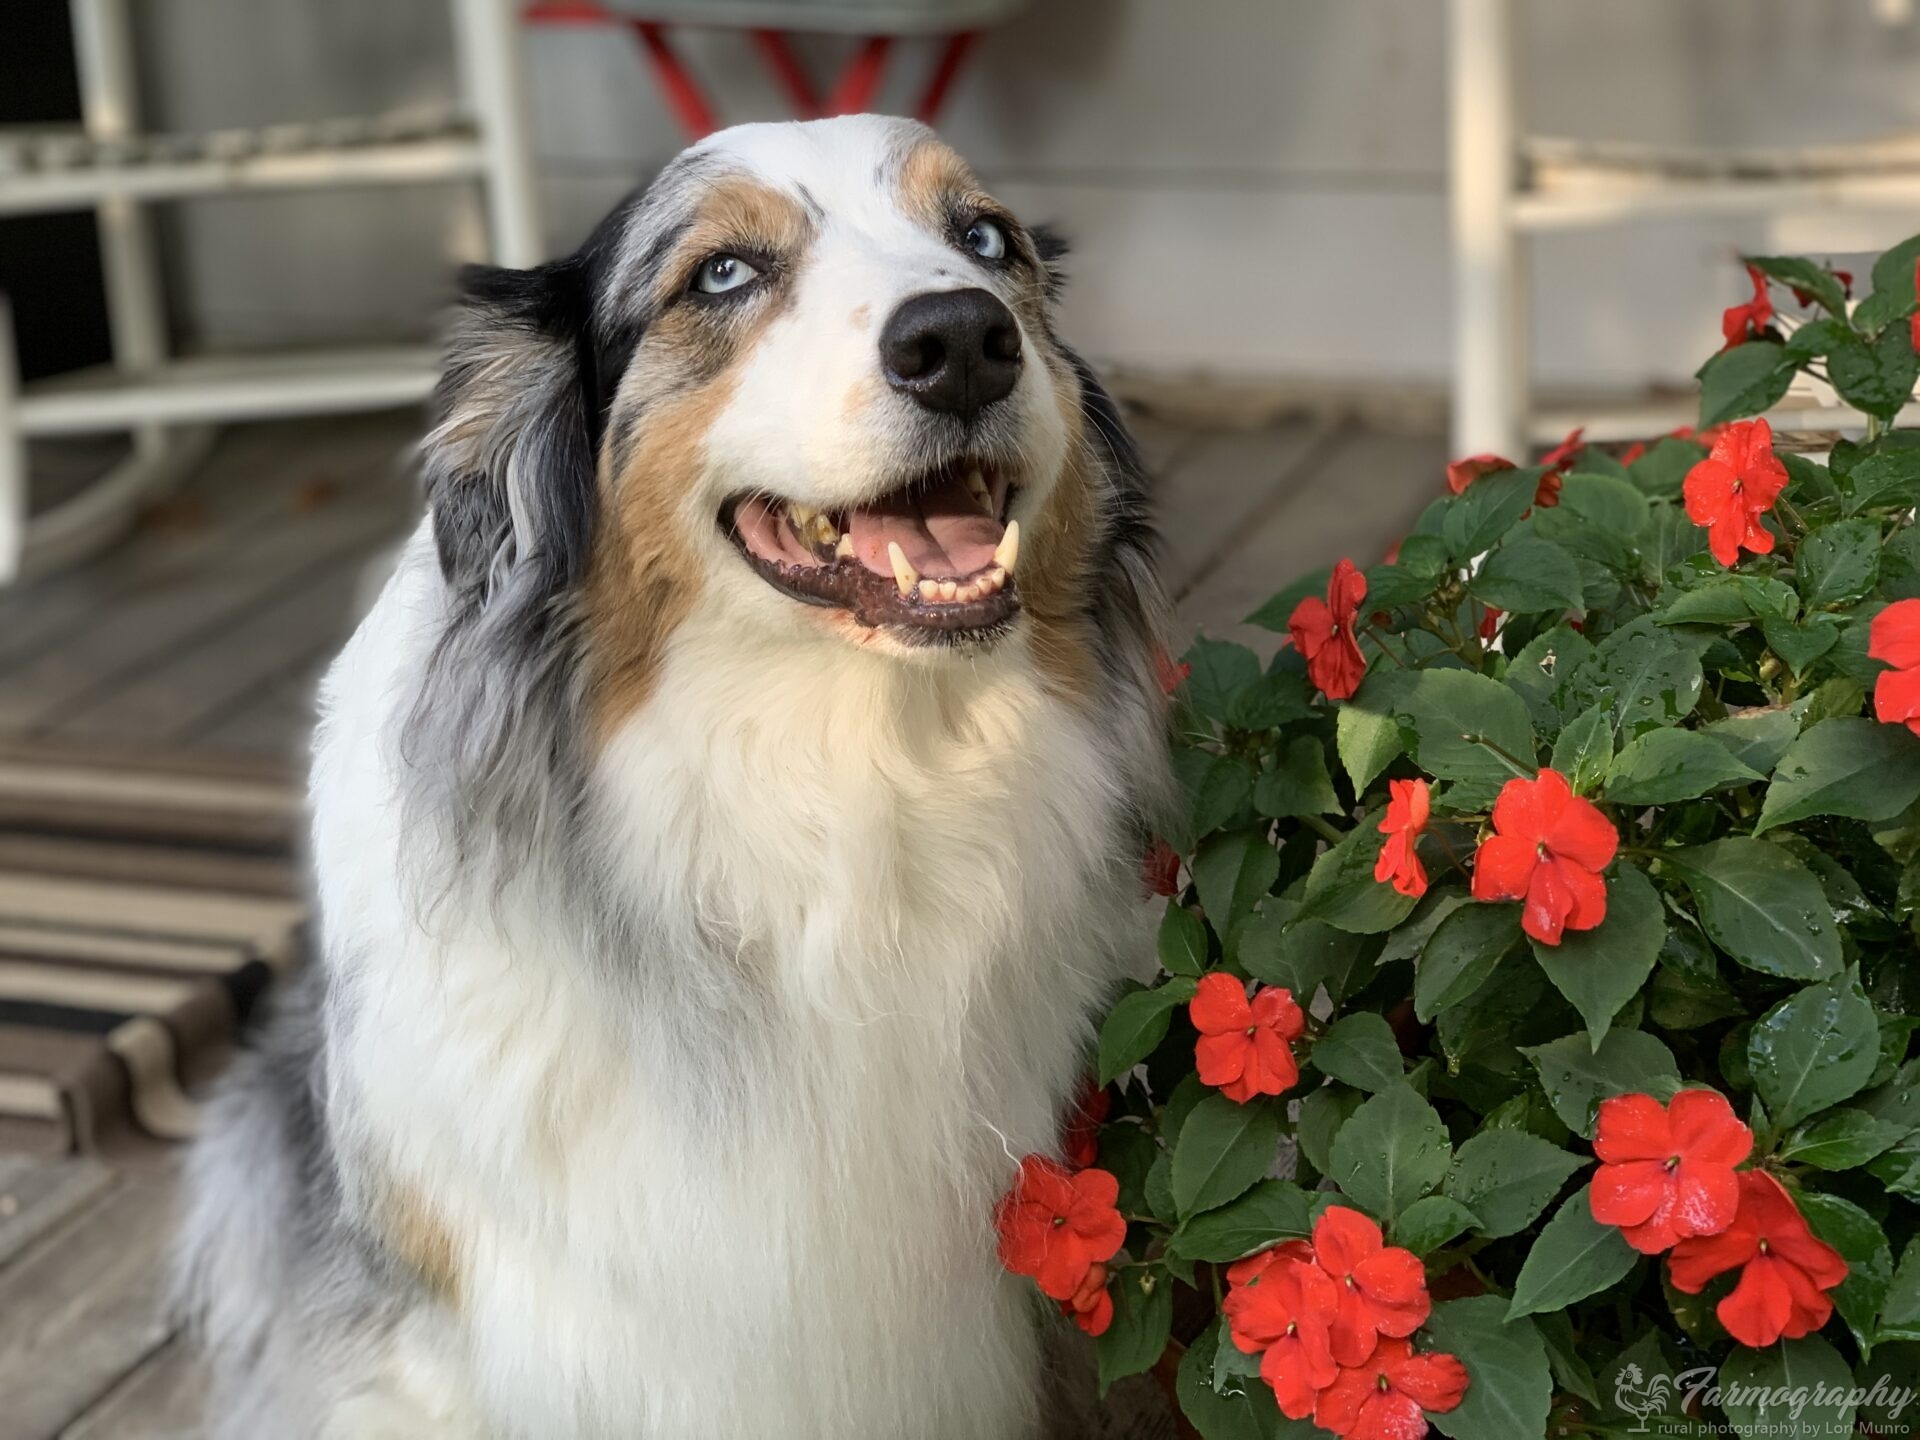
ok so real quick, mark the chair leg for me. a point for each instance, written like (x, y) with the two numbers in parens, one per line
(853, 92)
(684, 96)
(13, 458)
(1489, 271)
(945, 70)
(494, 80)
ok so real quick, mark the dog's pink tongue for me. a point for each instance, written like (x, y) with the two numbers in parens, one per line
(943, 532)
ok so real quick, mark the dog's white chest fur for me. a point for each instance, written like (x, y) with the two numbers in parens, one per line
(720, 1159)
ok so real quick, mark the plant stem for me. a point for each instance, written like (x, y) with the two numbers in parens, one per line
(1321, 828)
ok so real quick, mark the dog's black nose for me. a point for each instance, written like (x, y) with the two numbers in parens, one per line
(955, 351)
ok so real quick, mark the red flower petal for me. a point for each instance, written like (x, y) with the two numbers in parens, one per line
(1894, 635)
(1757, 1309)
(1631, 1127)
(1342, 1238)
(1503, 868)
(1220, 1005)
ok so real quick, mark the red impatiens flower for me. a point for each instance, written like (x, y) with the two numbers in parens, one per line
(1548, 849)
(1322, 632)
(1382, 1397)
(1170, 675)
(1742, 323)
(1733, 487)
(1561, 457)
(1667, 1173)
(1490, 623)
(1633, 452)
(1895, 638)
(1408, 804)
(1055, 1226)
(1082, 1141)
(1787, 1270)
(1383, 1288)
(1281, 1306)
(1462, 473)
(1160, 868)
(1091, 1306)
(1245, 1048)
(1805, 298)
(1913, 320)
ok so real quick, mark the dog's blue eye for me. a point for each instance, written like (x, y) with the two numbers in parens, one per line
(722, 273)
(987, 240)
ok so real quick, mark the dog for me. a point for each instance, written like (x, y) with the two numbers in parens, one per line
(727, 827)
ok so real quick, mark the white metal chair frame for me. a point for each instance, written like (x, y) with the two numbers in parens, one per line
(167, 404)
(1508, 185)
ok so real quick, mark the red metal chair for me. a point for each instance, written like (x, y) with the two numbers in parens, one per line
(771, 23)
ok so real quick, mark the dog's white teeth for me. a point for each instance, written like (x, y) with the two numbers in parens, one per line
(977, 487)
(929, 590)
(990, 583)
(814, 526)
(949, 589)
(1008, 550)
(843, 548)
(904, 575)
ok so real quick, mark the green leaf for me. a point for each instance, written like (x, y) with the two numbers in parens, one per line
(1368, 740)
(1893, 272)
(1512, 1386)
(1298, 784)
(1577, 1077)
(1360, 1051)
(1769, 1392)
(1569, 1367)
(1574, 1256)
(1801, 644)
(1247, 1412)
(1455, 716)
(1542, 668)
(1223, 1148)
(1465, 948)
(1745, 380)
(1663, 766)
(1848, 766)
(1900, 1311)
(1183, 942)
(1491, 506)
(1839, 563)
(1599, 970)
(1275, 698)
(1890, 477)
(1875, 375)
(1231, 872)
(1527, 574)
(1820, 284)
(1272, 1211)
(1611, 502)
(1507, 1177)
(1219, 788)
(1814, 1049)
(1142, 1323)
(1863, 1245)
(1840, 1140)
(1136, 1024)
(1322, 1115)
(1653, 678)
(1583, 751)
(1302, 955)
(1341, 890)
(1430, 1223)
(1392, 1152)
(1757, 738)
(1662, 471)
(1220, 670)
(1761, 906)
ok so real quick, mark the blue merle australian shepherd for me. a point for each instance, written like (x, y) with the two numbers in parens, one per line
(726, 827)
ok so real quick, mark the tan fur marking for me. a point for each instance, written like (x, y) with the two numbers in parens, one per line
(420, 1240)
(737, 214)
(1056, 565)
(860, 316)
(934, 180)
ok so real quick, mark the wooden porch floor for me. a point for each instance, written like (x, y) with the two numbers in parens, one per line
(206, 632)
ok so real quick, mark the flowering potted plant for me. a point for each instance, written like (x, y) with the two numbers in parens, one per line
(1529, 1050)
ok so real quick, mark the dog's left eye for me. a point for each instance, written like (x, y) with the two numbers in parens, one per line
(720, 273)
(987, 239)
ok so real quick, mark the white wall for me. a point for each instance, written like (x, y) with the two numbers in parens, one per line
(1254, 187)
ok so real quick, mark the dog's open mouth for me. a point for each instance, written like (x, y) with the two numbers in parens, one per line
(936, 555)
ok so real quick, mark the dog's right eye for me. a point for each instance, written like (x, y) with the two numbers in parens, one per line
(720, 273)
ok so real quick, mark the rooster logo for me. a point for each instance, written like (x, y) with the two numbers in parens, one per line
(1640, 1397)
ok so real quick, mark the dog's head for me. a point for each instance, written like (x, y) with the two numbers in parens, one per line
(806, 386)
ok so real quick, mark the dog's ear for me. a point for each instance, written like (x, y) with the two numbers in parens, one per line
(509, 464)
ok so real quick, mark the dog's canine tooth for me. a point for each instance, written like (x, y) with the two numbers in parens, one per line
(1008, 550)
(977, 487)
(904, 575)
(843, 548)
